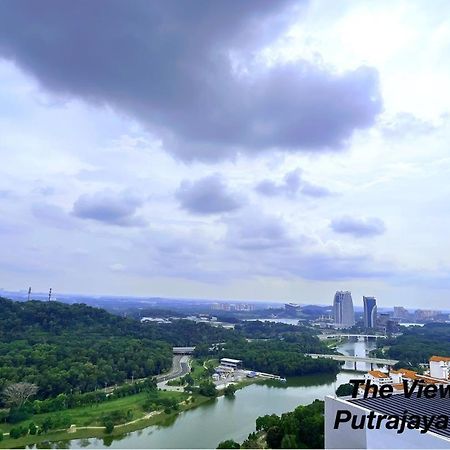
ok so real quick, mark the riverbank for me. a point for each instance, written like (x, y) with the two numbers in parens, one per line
(86, 421)
(80, 416)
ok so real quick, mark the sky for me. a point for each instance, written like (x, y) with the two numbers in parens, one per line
(227, 150)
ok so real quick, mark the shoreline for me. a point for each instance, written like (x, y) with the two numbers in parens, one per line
(87, 432)
(98, 432)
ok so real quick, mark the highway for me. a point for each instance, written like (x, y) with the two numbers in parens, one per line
(180, 367)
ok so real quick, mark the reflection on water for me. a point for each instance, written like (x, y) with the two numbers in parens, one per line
(358, 347)
(224, 418)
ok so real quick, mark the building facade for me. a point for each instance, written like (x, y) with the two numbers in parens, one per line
(344, 315)
(440, 367)
(345, 437)
(292, 309)
(370, 312)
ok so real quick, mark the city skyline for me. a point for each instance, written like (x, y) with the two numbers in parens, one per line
(277, 151)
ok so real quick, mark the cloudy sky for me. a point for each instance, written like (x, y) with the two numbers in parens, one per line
(230, 150)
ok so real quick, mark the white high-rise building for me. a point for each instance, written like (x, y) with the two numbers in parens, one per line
(344, 316)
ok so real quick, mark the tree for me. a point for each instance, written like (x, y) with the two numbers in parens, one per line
(251, 441)
(229, 443)
(32, 428)
(289, 441)
(344, 389)
(188, 379)
(109, 427)
(230, 390)
(16, 433)
(16, 394)
(274, 437)
(208, 389)
(48, 424)
(265, 422)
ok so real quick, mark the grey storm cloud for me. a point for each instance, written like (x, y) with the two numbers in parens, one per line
(358, 227)
(292, 184)
(110, 208)
(208, 195)
(179, 71)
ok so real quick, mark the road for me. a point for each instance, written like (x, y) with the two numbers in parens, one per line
(180, 367)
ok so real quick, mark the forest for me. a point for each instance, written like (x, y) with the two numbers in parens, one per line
(417, 344)
(257, 329)
(77, 348)
(281, 357)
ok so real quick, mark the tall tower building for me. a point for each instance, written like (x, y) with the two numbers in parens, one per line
(344, 316)
(370, 312)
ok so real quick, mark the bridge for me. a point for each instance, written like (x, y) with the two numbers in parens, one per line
(183, 350)
(356, 359)
(347, 335)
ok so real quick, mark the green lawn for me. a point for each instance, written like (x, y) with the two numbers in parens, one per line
(91, 415)
(198, 372)
(119, 430)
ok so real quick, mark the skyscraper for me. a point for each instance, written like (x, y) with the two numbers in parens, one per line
(370, 312)
(344, 315)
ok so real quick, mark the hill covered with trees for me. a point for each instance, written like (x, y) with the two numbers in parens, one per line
(417, 344)
(64, 348)
(77, 348)
(281, 357)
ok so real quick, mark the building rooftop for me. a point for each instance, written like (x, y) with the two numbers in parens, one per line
(398, 403)
(440, 358)
(230, 360)
(378, 374)
(408, 373)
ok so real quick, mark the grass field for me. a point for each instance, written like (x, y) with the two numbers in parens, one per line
(92, 416)
(199, 372)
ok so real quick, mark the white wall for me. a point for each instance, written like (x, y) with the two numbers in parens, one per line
(346, 437)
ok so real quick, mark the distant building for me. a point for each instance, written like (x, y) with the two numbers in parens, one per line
(292, 308)
(232, 307)
(155, 320)
(231, 363)
(440, 367)
(344, 315)
(228, 366)
(426, 314)
(370, 312)
(400, 312)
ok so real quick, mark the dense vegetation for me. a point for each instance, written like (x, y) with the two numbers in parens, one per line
(417, 344)
(301, 428)
(76, 348)
(284, 358)
(257, 329)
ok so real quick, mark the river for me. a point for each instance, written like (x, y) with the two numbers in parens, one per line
(223, 418)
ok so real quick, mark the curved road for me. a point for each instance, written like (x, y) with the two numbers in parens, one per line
(180, 367)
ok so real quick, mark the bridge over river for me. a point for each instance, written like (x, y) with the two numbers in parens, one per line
(323, 337)
(356, 359)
